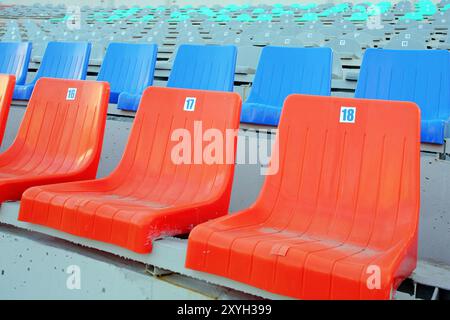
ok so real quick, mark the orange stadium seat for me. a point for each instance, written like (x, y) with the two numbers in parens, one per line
(60, 137)
(338, 220)
(151, 194)
(7, 83)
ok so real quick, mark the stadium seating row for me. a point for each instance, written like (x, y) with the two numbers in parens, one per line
(322, 221)
(347, 29)
(168, 37)
(401, 75)
(347, 40)
(422, 10)
(129, 68)
(208, 24)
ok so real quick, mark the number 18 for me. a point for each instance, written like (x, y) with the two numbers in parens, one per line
(348, 115)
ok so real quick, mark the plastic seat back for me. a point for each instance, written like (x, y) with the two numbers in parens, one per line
(398, 43)
(204, 68)
(61, 134)
(342, 196)
(128, 68)
(7, 83)
(348, 170)
(65, 60)
(311, 38)
(164, 118)
(14, 59)
(283, 71)
(346, 47)
(420, 76)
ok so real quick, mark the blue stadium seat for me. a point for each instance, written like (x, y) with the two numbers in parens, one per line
(196, 67)
(283, 71)
(204, 68)
(67, 60)
(14, 59)
(129, 69)
(420, 76)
